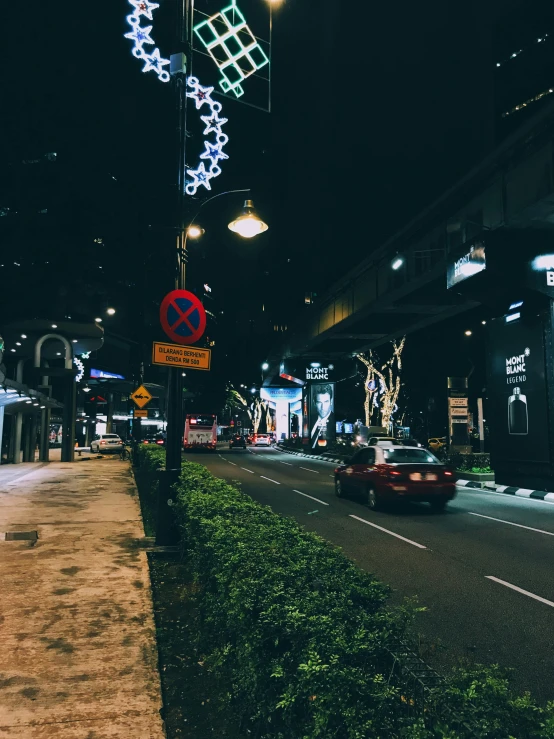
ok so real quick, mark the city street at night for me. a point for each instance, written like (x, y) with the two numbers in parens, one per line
(445, 559)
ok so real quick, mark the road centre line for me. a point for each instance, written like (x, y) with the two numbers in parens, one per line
(287, 463)
(270, 480)
(317, 500)
(234, 465)
(308, 470)
(511, 523)
(520, 590)
(244, 468)
(408, 541)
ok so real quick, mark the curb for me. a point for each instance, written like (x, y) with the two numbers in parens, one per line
(508, 490)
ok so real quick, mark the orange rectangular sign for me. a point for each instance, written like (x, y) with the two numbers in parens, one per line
(140, 414)
(186, 357)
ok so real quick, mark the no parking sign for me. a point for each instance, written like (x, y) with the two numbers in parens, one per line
(182, 316)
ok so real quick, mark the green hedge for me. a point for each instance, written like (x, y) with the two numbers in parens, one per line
(302, 636)
(148, 461)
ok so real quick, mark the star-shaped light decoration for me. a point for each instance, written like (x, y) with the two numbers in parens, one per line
(140, 36)
(144, 7)
(155, 62)
(214, 152)
(200, 177)
(200, 94)
(213, 123)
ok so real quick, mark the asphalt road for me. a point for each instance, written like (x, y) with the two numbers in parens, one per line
(448, 560)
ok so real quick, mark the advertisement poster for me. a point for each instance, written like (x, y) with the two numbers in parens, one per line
(322, 426)
(517, 411)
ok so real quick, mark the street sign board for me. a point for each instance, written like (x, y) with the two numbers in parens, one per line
(140, 414)
(141, 397)
(174, 355)
(183, 317)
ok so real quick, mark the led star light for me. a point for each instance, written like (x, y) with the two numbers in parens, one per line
(213, 149)
(232, 46)
(140, 35)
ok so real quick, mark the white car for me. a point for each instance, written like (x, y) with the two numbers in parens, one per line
(262, 440)
(106, 444)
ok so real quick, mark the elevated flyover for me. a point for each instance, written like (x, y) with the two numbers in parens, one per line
(511, 191)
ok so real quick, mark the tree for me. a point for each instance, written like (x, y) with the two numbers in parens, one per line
(255, 409)
(382, 378)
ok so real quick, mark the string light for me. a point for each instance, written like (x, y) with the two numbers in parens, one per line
(233, 47)
(140, 35)
(520, 51)
(213, 149)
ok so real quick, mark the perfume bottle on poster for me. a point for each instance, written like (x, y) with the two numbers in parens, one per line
(518, 419)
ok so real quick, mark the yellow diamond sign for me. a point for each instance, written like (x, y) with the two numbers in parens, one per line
(141, 397)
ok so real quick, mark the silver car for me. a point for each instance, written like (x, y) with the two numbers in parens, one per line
(106, 444)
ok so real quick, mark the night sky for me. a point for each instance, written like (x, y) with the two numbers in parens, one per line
(376, 110)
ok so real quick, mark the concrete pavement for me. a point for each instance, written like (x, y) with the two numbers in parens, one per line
(79, 658)
(483, 569)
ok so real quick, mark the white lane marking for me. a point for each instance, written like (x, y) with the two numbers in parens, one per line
(511, 523)
(409, 541)
(287, 463)
(507, 496)
(234, 465)
(332, 476)
(270, 480)
(308, 470)
(520, 590)
(310, 496)
(244, 468)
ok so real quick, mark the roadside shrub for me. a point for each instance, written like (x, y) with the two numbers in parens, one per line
(466, 462)
(148, 462)
(301, 636)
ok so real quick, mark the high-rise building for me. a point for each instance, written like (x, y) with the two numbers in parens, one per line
(523, 47)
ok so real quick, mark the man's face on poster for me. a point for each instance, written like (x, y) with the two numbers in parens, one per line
(323, 404)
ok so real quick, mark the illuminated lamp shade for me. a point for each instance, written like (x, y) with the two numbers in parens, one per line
(248, 224)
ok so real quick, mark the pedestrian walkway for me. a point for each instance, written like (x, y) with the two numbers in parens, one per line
(79, 656)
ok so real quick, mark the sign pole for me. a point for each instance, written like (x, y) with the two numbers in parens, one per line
(167, 533)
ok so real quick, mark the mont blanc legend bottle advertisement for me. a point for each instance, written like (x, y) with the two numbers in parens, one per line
(517, 399)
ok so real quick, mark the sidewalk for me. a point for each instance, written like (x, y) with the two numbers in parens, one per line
(79, 657)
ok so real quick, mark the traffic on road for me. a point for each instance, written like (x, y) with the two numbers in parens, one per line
(481, 569)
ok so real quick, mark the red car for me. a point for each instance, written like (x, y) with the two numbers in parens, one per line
(380, 474)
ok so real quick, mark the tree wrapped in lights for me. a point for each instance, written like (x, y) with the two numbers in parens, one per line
(255, 409)
(382, 383)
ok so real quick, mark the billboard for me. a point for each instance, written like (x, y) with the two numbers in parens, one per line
(518, 410)
(319, 424)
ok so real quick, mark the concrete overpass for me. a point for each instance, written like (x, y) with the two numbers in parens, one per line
(510, 191)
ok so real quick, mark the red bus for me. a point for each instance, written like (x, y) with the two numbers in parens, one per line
(200, 431)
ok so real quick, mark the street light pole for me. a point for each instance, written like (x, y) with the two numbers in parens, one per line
(166, 529)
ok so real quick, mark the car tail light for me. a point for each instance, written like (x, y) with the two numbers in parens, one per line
(159, 441)
(448, 473)
(395, 475)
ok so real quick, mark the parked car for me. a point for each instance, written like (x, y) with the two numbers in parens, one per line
(379, 474)
(410, 441)
(237, 442)
(262, 440)
(106, 444)
(436, 443)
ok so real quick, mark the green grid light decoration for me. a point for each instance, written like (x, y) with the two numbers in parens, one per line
(232, 46)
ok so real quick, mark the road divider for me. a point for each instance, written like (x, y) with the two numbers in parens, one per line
(386, 531)
(520, 590)
(311, 497)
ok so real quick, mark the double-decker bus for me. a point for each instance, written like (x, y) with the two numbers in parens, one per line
(200, 431)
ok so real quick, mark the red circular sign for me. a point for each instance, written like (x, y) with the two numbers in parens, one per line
(182, 316)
